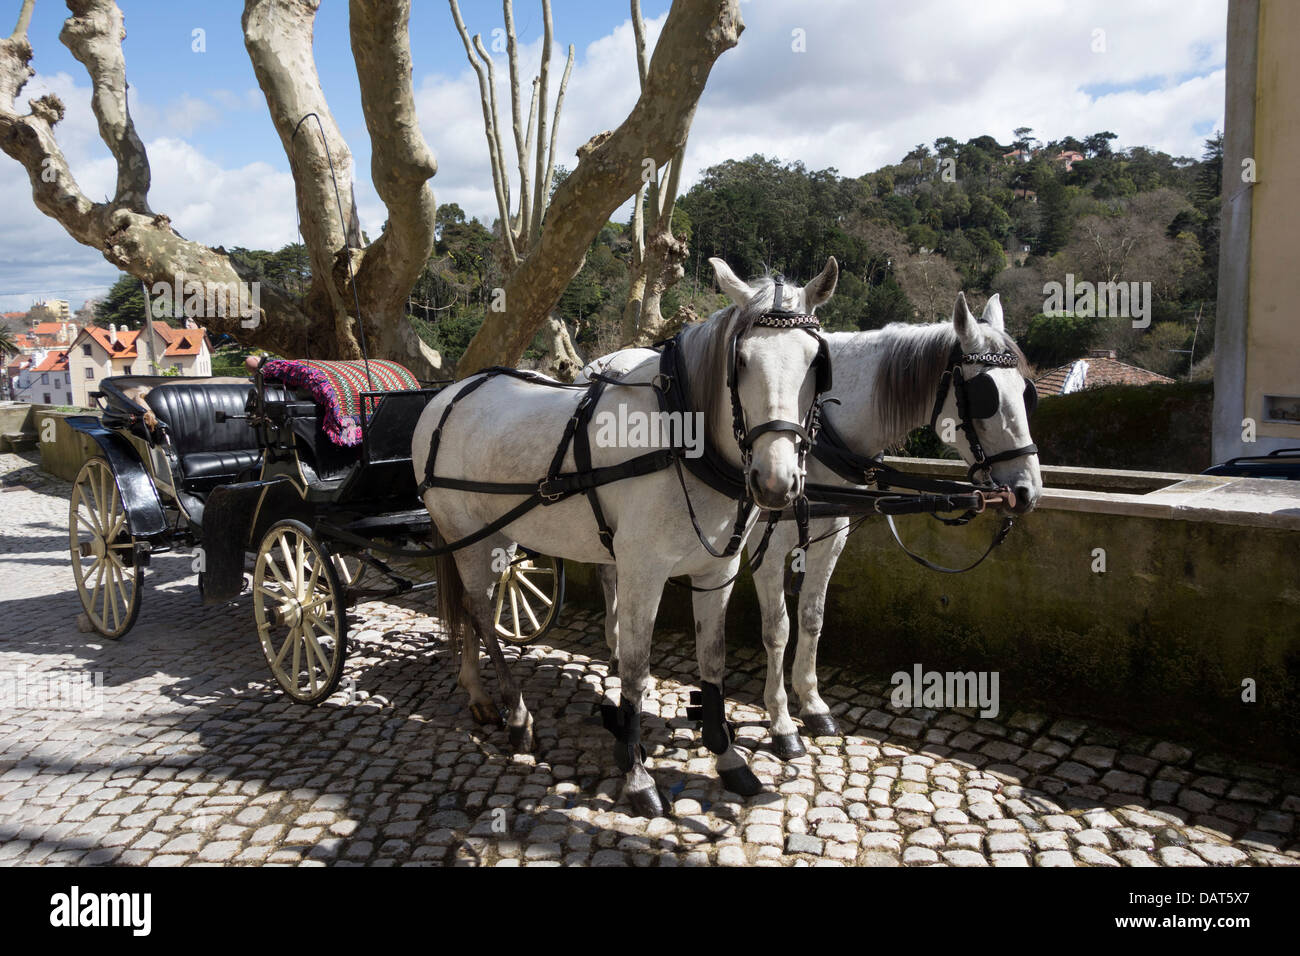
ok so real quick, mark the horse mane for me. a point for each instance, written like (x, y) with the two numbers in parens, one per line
(913, 359)
(705, 351)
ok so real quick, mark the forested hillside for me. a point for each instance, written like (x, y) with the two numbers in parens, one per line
(982, 216)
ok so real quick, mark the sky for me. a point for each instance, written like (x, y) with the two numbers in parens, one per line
(849, 84)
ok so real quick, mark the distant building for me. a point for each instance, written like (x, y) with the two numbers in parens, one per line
(1068, 158)
(53, 334)
(98, 353)
(1098, 368)
(41, 378)
(58, 310)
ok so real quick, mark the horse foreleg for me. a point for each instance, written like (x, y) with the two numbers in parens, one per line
(819, 563)
(711, 651)
(769, 583)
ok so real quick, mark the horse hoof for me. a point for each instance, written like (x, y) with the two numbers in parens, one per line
(521, 738)
(788, 746)
(821, 725)
(485, 714)
(647, 803)
(741, 780)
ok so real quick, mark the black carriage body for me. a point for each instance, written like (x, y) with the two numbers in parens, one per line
(239, 470)
(226, 460)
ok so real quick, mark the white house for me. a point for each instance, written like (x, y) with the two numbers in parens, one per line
(98, 353)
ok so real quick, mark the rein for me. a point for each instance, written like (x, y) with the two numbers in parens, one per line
(976, 398)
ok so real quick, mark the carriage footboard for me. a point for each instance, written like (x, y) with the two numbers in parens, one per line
(231, 527)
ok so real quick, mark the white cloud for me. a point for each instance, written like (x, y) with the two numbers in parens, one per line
(877, 78)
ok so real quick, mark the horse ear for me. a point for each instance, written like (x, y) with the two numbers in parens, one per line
(964, 323)
(823, 286)
(993, 312)
(737, 291)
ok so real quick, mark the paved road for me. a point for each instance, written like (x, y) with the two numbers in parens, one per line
(189, 755)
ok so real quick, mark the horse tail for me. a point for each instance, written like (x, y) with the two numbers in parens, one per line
(451, 594)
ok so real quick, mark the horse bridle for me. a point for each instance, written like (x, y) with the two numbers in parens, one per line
(805, 433)
(977, 397)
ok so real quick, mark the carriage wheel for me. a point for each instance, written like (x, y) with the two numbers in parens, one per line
(300, 612)
(529, 596)
(109, 577)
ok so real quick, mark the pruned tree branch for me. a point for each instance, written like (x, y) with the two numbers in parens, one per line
(278, 37)
(658, 256)
(401, 166)
(94, 34)
(487, 94)
(609, 168)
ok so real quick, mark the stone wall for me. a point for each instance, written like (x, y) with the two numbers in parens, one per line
(1200, 593)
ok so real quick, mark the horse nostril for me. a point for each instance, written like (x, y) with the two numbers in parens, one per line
(1024, 497)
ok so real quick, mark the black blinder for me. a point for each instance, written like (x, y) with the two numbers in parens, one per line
(822, 363)
(1031, 397)
(982, 399)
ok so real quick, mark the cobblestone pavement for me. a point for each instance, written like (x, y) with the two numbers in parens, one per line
(195, 758)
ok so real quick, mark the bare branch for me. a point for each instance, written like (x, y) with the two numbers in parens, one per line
(496, 120)
(401, 165)
(540, 198)
(609, 167)
(638, 32)
(94, 34)
(528, 146)
(489, 129)
(278, 37)
(522, 140)
(545, 188)
(24, 18)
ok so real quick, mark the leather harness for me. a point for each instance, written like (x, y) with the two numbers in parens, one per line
(672, 390)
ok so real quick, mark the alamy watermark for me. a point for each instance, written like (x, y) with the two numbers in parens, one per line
(933, 689)
(1124, 300)
(79, 691)
(194, 299)
(632, 428)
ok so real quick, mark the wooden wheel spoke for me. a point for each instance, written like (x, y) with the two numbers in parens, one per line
(92, 504)
(289, 567)
(523, 599)
(296, 635)
(514, 609)
(310, 586)
(299, 567)
(541, 595)
(278, 663)
(275, 573)
(314, 644)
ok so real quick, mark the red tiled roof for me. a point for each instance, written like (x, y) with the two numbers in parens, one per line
(175, 342)
(54, 362)
(124, 347)
(1101, 371)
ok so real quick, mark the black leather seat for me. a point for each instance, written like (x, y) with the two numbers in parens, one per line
(210, 452)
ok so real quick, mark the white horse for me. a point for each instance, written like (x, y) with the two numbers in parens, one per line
(508, 429)
(886, 383)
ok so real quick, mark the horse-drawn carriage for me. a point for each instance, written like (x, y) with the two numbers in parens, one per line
(281, 491)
